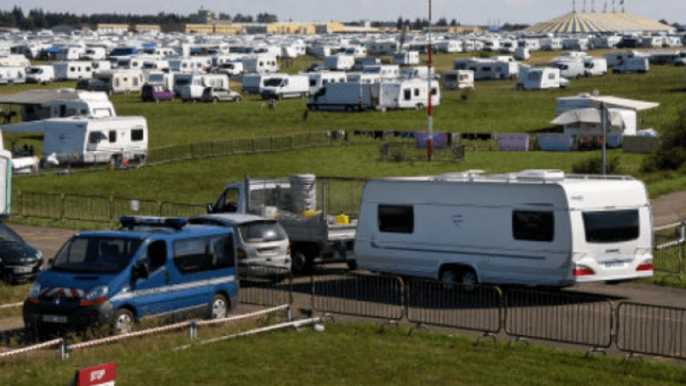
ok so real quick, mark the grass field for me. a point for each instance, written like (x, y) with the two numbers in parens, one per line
(494, 107)
(341, 355)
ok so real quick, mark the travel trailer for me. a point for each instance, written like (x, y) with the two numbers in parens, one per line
(261, 64)
(86, 140)
(448, 47)
(190, 64)
(538, 78)
(117, 81)
(356, 51)
(458, 79)
(407, 58)
(339, 62)
(189, 87)
(14, 61)
(317, 80)
(293, 86)
(535, 227)
(12, 75)
(72, 70)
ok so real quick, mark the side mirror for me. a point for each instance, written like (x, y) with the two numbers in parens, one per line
(210, 208)
(141, 269)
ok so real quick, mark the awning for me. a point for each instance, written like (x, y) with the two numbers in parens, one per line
(38, 97)
(586, 116)
(626, 103)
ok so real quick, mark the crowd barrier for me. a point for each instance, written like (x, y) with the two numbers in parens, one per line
(652, 330)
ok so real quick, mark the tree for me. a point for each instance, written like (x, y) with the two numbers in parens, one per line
(442, 22)
(399, 23)
(453, 23)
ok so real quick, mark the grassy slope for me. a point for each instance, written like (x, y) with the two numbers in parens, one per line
(342, 355)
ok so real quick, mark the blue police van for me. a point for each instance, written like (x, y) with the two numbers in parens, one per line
(150, 267)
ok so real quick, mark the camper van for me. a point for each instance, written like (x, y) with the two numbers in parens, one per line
(149, 267)
(293, 86)
(12, 75)
(535, 227)
(72, 70)
(317, 80)
(458, 79)
(570, 68)
(339, 62)
(40, 74)
(189, 87)
(260, 64)
(409, 58)
(633, 65)
(117, 81)
(595, 66)
(253, 83)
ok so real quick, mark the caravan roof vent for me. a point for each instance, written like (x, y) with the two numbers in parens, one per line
(541, 175)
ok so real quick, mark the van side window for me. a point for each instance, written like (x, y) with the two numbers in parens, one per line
(396, 219)
(137, 135)
(157, 255)
(203, 254)
(113, 136)
(533, 226)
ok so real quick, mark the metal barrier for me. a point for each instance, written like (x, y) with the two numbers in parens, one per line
(174, 209)
(559, 317)
(264, 285)
(87, 208)
(403, 151)
(476, 308)
(652, 330)
(40, 205)
(668, 255)
(370, 296)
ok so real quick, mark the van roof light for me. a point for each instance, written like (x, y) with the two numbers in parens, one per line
(168, 222)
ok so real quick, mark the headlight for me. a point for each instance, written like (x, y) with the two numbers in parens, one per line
(96, 293)
(34, 291)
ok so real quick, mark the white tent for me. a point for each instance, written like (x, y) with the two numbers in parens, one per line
(588, 122)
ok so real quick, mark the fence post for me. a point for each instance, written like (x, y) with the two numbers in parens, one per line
(110, 215)
(193, 331)
(64, 351)
(63, 198)
(21, 203)
(192, 147)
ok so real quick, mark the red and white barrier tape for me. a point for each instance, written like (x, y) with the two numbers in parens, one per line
(96, 342)
(54, 342)
(240, 317)
(12, 305)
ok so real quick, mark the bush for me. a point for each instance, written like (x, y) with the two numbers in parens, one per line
(595, 165)
(671, 155)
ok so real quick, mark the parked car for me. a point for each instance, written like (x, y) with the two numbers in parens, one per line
(262, 246)
(19, 261)
(156, 93)
(217, 94)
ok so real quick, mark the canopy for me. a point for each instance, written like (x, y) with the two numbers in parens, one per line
(586, 116)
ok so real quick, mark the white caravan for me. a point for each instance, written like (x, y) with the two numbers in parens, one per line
(551, 44)
(358, 77)
(12, 75)
(339, 62)
(85, 140)
(189, 87)
(101, 65)
(190, 64)
(261, 64)
(5, 180)
(14, 61)
(160, 78)
(535, 227)
(253, 83)
(317, 80)
(356, 51)
(346, 96)
(40, 74)
(538, 78)
(384, 71)
(407, 58)
(615, 58)
(493, 69)
(89, 104)
(118, 81)
(418, 72)
(94, 53)
(458, 79)
(448, 47)
(293, 86)
(72, 70)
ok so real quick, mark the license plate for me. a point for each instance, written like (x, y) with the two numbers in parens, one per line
(54, 319)
(615, 264)
(23, 269)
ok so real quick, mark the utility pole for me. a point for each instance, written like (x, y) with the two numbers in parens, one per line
(430, 134)
(603, 122)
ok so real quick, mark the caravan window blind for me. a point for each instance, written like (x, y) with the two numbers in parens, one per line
(396, 219)
(533, 225)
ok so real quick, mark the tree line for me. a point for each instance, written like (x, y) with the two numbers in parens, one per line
(37, 19)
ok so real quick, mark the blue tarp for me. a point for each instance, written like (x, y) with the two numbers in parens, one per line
(149, 45)
(52, 50)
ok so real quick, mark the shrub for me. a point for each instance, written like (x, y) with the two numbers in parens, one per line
(671, 154)
(595, 165)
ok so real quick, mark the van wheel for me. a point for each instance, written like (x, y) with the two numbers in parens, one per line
(215, 100)
(237, 99)
(301, 264)
(123, 322)
(465, 277)
(219, 307)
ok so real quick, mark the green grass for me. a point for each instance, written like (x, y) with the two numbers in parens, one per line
(342, 355)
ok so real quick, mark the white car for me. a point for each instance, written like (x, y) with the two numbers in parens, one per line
(262, 246)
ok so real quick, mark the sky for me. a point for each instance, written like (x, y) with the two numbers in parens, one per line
(465, 12)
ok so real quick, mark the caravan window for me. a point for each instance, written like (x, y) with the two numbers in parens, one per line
(396, 219)
(204, 254)
(533, 225)
(551, 76)
(416, 92)
(95, 137)
(408, 94)
(113, 136)
(612, 226)
(137, 135)
(434, 91)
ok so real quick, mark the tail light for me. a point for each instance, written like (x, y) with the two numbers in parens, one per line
(288, 251)
(583, 271)
(644, 267)
(242, 255)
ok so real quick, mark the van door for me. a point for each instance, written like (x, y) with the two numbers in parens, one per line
(151, 295)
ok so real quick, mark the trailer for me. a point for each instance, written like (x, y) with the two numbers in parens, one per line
(260, 64)
(299, 205)
(117, 81)
(317, 80)
(535, 227)
(339, 62)
(539, 78)
(458, 79)
(12, 75)
(406, 58)
(72, 70)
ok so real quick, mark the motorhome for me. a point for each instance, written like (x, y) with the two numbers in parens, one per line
(12, 75)
(535, 227)
(615, 58)
(189, 87)
(538, 78)
(317, 80)
(118, 81)
(339, 62)
(458, 79)
(406, 58)
(261, 64)
(253, 83)
(88, 140)
(229, 68)
(72, 70)
(293, 86)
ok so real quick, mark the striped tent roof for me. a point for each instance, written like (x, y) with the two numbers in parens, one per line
(589, 23)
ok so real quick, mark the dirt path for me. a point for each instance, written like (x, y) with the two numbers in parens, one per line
(669, 209)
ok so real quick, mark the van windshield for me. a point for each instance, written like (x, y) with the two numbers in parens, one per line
(94, 254)
(262, 231)
(611, 226)
(274, 82)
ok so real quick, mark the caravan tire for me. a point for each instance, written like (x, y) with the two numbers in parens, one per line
(219, 307)
(451, 277)
(215, 100)
(300, 263)
(123, 322)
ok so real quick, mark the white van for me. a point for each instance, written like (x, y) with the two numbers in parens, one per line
(535, 227)
(570, 68)
(633, 65)
(293, 86)
(40, 74)
(595, 66)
